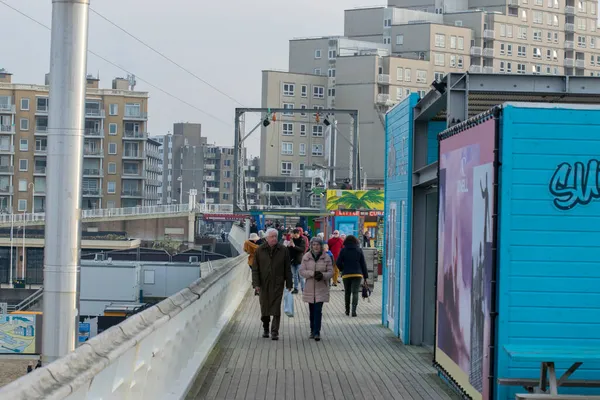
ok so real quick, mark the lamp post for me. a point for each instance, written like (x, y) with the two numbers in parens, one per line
(269, 194)
(12, 226)
(180, 179)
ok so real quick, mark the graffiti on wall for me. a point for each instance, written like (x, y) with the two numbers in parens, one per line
(575, 184)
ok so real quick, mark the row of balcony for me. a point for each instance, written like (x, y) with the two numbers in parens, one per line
(477, 69)
(477, 51)
(570, 63)
(97, 192)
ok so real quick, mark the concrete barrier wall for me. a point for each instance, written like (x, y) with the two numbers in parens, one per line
(155, 354)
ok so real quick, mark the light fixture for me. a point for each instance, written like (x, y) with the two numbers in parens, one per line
(326, 122)
(439, 86)
(266, 121)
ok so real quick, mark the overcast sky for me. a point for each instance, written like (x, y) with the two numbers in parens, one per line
(226, 43)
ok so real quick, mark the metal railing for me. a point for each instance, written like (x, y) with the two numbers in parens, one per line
(93, 172)
(155, 354)
(476, 51)
(475, 69)
(93, 132)
(569, 27)
(7, 108)
(7, 169)
(94, 112)
(28, 302)
(131, 192)
(569, 10)
(134, 135)
(384, 79)
(131, 114)
(7, 129)
(489, 34)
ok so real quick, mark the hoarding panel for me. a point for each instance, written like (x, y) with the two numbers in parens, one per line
(17, 334)
(465, 237)
(355, 200)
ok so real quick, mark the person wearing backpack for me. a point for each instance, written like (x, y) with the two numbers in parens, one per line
(353, 266)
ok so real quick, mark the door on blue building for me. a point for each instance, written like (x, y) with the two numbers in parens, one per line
(392, 298)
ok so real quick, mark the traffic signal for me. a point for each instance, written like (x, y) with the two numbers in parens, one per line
(317, 118)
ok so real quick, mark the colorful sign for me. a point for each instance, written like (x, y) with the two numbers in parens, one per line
(344, 213)
(17, 334)
(465, 236)
(225, 217)
(355, 200)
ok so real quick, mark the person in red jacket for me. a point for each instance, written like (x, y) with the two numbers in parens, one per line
(306, 240)
(335, 244)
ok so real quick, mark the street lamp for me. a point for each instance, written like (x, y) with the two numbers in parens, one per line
(269, 194)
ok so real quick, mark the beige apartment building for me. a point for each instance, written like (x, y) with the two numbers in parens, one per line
(153, 168)
(114, 173)
(218, 174)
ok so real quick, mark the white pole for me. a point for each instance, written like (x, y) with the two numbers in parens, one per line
(180, 190)
(23, 260)
(66, 120)
(12, 225)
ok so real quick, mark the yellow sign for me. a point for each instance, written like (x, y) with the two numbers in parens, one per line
(355, 200)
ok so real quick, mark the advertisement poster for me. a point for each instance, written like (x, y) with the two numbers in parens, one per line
(464, 257)
(17, 334)
(355, 200)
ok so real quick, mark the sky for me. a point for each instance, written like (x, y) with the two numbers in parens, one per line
(226, 43)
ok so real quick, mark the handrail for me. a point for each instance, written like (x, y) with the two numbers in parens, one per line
(32, 298)
(151, 355)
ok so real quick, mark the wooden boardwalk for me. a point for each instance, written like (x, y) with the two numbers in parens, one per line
(356, 358)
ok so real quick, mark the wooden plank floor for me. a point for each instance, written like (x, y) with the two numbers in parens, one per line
(356, 358)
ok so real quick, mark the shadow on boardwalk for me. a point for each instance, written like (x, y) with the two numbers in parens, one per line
(357, 358)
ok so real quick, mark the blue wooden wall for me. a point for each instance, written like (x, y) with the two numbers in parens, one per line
(398, 188)
(549, 258)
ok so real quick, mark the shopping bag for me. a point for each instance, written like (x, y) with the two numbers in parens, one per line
(288, 303)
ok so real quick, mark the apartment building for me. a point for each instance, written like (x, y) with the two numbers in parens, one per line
(251, 181)
(153, 166)
(292, 143)
(161, 163)
(183, 159)
(114, 144)
(218, 174)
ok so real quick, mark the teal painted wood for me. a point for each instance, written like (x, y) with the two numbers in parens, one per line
(433, 129)
(398, 189)
(549, 258)
(540, 353)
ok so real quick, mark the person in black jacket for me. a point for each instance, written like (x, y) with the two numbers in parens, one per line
(353, 266)
(297, 248)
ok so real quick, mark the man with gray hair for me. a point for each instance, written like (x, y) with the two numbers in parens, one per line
(271, 273)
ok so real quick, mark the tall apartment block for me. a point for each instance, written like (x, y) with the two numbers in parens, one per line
(251, 174)
(218, 174)
(161, 163)
(114, 172)
(154, 156)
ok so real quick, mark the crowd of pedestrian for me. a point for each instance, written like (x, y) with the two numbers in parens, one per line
(288, 259)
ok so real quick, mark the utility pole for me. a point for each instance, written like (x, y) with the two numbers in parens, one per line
(68, 65)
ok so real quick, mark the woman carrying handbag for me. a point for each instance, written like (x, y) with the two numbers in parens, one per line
(317, 269)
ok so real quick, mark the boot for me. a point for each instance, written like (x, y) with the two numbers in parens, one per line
(348, 310)
(354, 311)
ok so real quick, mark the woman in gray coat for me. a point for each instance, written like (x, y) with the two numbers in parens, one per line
(317, 269)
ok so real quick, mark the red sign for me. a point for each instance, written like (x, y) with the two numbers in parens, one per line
(226, 217)
(342, 213)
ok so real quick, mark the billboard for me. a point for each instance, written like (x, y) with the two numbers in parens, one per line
(17, 334)
(465, 236)
(355, 200)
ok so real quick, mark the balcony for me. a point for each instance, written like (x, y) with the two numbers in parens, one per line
(569, 44)
(7, 170)
(7, 150)
(94, 113)
(132, 174)
(41, 150)
(213, 190)
(475, 69)
(250, 179)
(210, 166)
(488, 53)
(579, 63)
(488, 70)
(489, 34)
(209, 178)
(41, 130)
(7, 129)
(6, 189)
(153, 182)
(92, 173)
(93, 132)
(7, 108)
(39, 171)
(251, 191)
(133, 155)
(384, 79)
(134, 115)
(91, 192)
(93, 152)
(135, 135)
(569, 10)
(383, 99)
(569, 27)
(476, 51)
(513, 3)
(126, 192)
(569, 62)
(41, 110)
(154, 154)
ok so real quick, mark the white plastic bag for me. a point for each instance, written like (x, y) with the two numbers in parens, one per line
(288, 303)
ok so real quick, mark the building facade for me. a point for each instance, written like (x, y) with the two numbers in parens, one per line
(114, 145)
(154, 155)
(218, 174)
(161, 164)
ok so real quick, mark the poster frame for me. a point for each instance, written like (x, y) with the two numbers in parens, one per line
(495, 114)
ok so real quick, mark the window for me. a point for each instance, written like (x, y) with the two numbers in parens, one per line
(502, 66)
(523, 32)
(23, 145)
(548, 54)
(581, 41)
(113, 109)
(438, 76)
(112, 168)
(289, 89)
(22, 205)
(453, 61)
(537, 35)
(303, 107)
(461, 43)
(509, 49)
(452, 42)
(439, 59)
(24, 124)
(22, 185)
(592, 7)
(502, 48)
(317, 71)
(302, 129)
(317, 108)
(399, 40)
(387, 22)
(286, 168)
(287, 148)
(502, 30)
(555, 37)
(226, 174)
(537, 52)
(536, 69)
(399, 94)
(538, 17)
(460, 63)
(317, 130)
(24, 104)
(440, 40)
(304, 91)
(111, 204)
(331, 72)
(509, 67)
(332, 54)
(288, 106)
(318, 92)
(524, 15)
(549, 36)
(387, 40)
(509, 31)
(302, 150)
(317, 149)
(112, 148)
(521, 68)
(581, 23)
(112, 129)
(331, 92)
(421, 76)
(522, 51)
(555, 20)
(23, 164)
(287, 129)
(111, 187)
(399, 74)
(407, 77)
(225, 196)
(318, 53)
